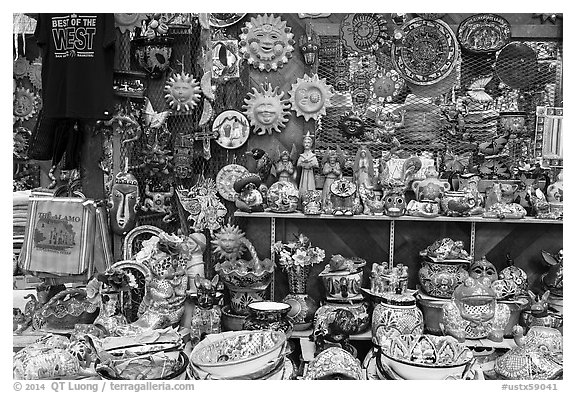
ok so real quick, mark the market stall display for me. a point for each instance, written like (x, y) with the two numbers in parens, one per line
(391, 191)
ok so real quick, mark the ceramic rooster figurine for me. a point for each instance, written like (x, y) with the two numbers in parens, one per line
(263, 165)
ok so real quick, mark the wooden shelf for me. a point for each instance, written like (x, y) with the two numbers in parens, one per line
(477, 219)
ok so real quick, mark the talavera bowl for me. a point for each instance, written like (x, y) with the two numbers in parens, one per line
(426, 357)
(232, 355)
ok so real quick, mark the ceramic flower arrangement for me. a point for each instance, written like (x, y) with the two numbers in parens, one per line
(298, 253)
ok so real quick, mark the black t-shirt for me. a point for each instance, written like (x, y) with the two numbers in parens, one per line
(77, 64)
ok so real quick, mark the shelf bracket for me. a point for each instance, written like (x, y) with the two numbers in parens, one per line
(472, 238)
(272, 254)
(391, 245)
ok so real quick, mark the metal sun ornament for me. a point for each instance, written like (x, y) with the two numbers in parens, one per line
(310, 96)
(266, 42)
(266, 109)
(182, 92)
(25, 104)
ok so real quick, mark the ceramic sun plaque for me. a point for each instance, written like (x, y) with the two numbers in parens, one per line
(364, 32)
(233, 129)
(266, 109)
(25, 104)
(309, 97)
(266, 42)
(427, 53)
(182, 92)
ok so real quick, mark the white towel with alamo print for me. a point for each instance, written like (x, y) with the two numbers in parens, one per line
(60, 236)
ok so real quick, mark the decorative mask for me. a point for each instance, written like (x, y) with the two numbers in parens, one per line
(266, 109)
(182, 92)
(394, 204)
(124, 198)
(182, 162)
(309, 97)
(309, 45)
(351, 125)
(225, 60)
(266, 42)
(483, 268)
(312, 202)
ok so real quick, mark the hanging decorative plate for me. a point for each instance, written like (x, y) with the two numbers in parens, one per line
(25, 104)
(430, 16)
(182, 92)
(517, 65)
(127, 22)
(364, 32)
(309, 96)
(484, 33)
(35, 73)
(20, 67)
(226, 178)
(233, 129)
(427, 53)
(387, 85)
(225, 60)
(224, 20)
(266, 42)
(266, 109)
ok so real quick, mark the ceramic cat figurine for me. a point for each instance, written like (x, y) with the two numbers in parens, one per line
(207, 314)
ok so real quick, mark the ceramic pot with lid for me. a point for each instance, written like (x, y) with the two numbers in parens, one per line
(396, 314)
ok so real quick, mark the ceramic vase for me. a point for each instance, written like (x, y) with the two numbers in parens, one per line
(303, 307)
(396, 314)
(269, 316)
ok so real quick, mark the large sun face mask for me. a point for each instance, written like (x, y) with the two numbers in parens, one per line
(266, 42)
(266, 110)
(182, 92)
(124, 199)
(309, 96)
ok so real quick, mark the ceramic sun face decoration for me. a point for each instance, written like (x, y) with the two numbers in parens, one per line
(309, 97)
(25, 104)
(266, 42)
(266, 109)
(182, 92)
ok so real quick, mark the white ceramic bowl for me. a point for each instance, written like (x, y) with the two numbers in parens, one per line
(444, 356)
(232, 355)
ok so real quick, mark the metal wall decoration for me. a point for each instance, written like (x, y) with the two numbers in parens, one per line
(266, 42)
(428, 52)
(484, 33)
(310, 96)
(548, 138)
(266, 109)
(233, 129)
(25, 104)
(387, 85)
(364, 32)
(225, 60)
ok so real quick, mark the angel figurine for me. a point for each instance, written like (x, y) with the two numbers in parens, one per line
(332, 167)
(284, 165)
(307, 161)
(364, 168)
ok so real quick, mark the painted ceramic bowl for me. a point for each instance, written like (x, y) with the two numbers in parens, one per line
(334, 363)
(159, 371)
(426, 357)
(235, 354)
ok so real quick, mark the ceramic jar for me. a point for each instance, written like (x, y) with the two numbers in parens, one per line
(283, 197)
(439, 278)
(396, 314)
(359, 311)
(457, 203)
(269, 316)
(153, 54)
(431, 188)
(343, 285)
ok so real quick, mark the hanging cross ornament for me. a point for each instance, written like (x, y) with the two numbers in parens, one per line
(204, 135)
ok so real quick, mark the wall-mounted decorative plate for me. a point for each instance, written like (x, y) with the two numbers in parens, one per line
(233, 129)
(226, 178)
(364, 32)
(224, 19)
(517, 65)
(387, 85)
(484, 33)
(427, 53)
